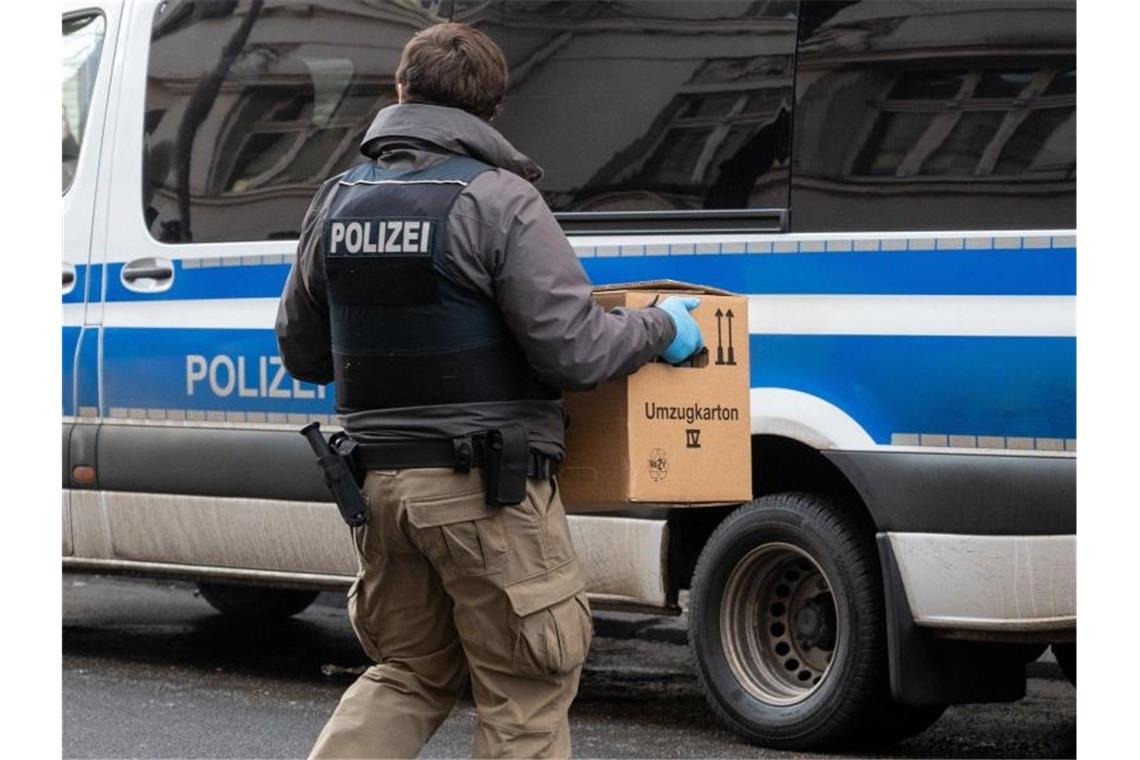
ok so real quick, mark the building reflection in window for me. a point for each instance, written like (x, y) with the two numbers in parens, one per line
(935, 114)
(649, 105)
(628, 105)
(251, 105)
(978, 123)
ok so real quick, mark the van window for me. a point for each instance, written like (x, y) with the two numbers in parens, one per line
(632, 106)
(82, 45)
(250, 106)
(648, 106)
(935, 115)
(965, 131)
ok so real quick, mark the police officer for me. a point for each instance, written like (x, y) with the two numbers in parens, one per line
(435, 287)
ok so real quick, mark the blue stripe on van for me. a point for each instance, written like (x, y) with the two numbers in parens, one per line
(1014, 272)
(255, 281)
(70, 342)
(948, 385)
(76, 294)
(148, 368)
(1044, 272)
(95, 288)
(83, 341)
(88, 369)
(888, 384)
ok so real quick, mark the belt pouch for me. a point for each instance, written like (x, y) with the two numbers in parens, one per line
(506, 453)
(345, 448)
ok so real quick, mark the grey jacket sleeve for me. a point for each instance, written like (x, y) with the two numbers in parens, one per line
(302, 327)
(506, 241)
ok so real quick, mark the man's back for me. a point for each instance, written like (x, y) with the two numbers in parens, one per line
(503, 243)
(450, 347)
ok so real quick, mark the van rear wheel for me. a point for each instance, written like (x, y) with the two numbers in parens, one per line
(786, 623)
(255, 601)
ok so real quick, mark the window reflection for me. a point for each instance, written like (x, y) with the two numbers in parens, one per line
(82, 45)
(1003, 84)
(928, 85)
(250, 106)
(1040, 143)
(891, 140)
(1064, 83)
(648, 105)
(962, 149)
(968, 107)
(627, 105)
(963, 119)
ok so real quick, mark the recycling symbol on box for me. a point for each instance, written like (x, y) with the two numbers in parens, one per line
(658, 464)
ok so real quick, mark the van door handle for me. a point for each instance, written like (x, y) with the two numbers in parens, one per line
(148, 269)
(149, 275)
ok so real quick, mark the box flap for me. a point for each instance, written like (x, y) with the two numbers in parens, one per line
(666, 284)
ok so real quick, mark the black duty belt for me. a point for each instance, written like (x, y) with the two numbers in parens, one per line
(460, 454)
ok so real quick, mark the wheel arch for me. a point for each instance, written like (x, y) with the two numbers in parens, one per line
(779, 463)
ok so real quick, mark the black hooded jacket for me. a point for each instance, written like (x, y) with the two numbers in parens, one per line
(504, 242)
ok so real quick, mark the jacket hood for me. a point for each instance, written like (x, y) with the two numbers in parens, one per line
(452, 129)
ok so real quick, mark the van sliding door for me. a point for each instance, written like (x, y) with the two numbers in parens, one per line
(90, 31)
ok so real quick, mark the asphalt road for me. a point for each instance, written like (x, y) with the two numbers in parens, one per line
(149, 670)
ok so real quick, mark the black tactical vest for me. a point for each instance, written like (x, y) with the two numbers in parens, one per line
(403, 332)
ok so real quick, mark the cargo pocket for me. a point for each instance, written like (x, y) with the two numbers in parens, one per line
(460, 533)
(553, 626)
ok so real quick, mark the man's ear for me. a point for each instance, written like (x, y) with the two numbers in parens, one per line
(399, 93)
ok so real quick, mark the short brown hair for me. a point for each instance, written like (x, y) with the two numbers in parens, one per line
(455, 65)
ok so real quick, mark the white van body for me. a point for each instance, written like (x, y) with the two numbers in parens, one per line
(179, 432)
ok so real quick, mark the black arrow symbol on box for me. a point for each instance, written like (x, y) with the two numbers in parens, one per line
(719, 342)
(731, 352)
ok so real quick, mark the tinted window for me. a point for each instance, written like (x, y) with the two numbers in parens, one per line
(648, 105)
(82, 45)
(961, 151)
(627, 105)
(935, 115)
(250, 106)
(1003, 84)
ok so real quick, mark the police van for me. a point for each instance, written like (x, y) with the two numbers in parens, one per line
(892, 184)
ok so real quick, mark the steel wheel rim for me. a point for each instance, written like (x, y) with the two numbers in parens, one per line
(772, 599)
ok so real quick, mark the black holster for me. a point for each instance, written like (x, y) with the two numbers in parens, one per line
(334, 458)
(506, 455)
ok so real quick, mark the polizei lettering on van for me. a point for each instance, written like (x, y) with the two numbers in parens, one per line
(691, 413)
(259, 377)
(360, 237)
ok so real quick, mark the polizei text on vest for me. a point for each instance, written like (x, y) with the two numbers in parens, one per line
(376, 236)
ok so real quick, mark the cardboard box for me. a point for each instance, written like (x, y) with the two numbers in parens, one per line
(666, 435)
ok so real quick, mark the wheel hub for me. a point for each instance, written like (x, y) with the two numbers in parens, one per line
(779, 625)
(815, 623)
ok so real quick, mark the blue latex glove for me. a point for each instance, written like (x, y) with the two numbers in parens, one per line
(688, 340)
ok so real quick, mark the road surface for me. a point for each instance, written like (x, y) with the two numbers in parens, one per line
(150, 670)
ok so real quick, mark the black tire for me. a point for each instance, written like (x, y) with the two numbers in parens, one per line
(1066, 655)
(255, 601)
(854, 686)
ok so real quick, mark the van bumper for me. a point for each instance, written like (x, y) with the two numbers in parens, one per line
(964, 613)
(978, 554)
(988, 585)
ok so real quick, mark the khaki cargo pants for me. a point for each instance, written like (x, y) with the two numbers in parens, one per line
(447, 586)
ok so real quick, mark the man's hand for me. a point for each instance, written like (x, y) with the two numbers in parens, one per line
(688, 340)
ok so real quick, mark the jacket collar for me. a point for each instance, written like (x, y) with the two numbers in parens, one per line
(452, 129)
